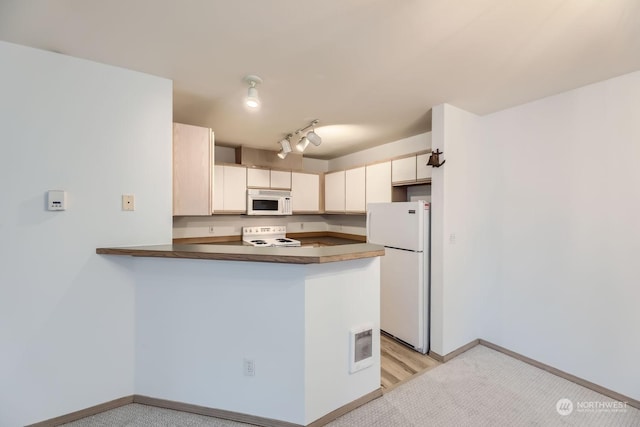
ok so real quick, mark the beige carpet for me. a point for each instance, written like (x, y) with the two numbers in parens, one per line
(481, 387)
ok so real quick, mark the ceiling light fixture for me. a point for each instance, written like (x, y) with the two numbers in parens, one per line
(310, 137)
(252, 100)
(302, 144)
(285, 149)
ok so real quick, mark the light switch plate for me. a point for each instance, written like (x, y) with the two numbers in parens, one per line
(127, 202)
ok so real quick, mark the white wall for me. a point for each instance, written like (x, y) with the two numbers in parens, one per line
(567, 203)
(350, 291)
(458, 231)
(66, 314)
(546, 201)
(381, 152)
(196, 321)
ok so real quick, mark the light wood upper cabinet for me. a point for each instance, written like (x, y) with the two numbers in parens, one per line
(260, 178)
(193, 158)
(218, 188)
(280, 179)
(305, 192)
(378, 178)
(411, 170)
(266, 178)
(334, 192)
(423, 171)
(403, 170)
(230, 190)
(355, 184)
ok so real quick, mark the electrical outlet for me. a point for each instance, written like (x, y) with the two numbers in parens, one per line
(212, 230)
(249, 367)
(127, 202)
(302, 226)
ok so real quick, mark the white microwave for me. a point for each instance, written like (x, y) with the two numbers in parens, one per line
(268, 202)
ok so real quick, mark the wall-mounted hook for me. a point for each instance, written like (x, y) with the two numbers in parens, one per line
(434, 159)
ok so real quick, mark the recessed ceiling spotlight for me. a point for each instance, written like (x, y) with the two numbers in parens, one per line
(252, 100)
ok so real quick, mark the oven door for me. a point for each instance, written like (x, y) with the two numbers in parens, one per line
(261, 205)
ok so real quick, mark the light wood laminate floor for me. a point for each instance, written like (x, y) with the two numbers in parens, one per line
(399, 363)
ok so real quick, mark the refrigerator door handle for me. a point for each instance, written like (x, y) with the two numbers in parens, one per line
(368, 226)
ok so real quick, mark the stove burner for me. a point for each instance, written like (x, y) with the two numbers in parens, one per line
(267, 236)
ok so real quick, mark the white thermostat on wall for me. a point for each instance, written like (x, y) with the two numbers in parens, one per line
(361, 347)
(56, 200)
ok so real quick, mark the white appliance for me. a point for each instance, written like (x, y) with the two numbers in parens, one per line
(268, 202)
(268, 236)
(403, 229)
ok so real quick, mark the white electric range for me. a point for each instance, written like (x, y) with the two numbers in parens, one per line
(267, 236)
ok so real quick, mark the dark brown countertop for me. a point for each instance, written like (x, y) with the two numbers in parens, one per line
(236, 251)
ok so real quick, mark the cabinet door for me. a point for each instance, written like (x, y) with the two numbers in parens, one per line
(378, 182)
(192, 162)
(423, 171)
(218, 188)
(403, 170)
(334, 192)
(281, 179)
(258, 178)
(235, 188)
(305, 192)
(355, 190)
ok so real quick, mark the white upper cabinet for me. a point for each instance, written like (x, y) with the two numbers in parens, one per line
(193, 157)
(258, 178)
(305, 192)
(423, 171)
(230, 190)
(334, 192)
(218, 189)
(378, 178)
(280, 179)
(355, 184)
(403, 170)
(265, 178)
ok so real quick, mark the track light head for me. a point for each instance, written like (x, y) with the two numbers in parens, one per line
(286, 145)
(314, 138)
(282, 154)
(252, 100)
(302, 144)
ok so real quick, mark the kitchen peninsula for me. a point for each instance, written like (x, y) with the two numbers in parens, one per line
(259, 335)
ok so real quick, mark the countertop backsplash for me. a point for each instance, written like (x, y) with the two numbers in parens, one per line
(231, 225)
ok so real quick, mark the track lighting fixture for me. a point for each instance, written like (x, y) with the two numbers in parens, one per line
(253, 100)
(314, 138)
(285, 149)
(302, 144)
(310, 137)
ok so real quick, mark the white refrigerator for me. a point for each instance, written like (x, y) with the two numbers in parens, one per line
(403, 229)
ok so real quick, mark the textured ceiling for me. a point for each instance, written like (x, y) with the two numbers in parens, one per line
(369, 70)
